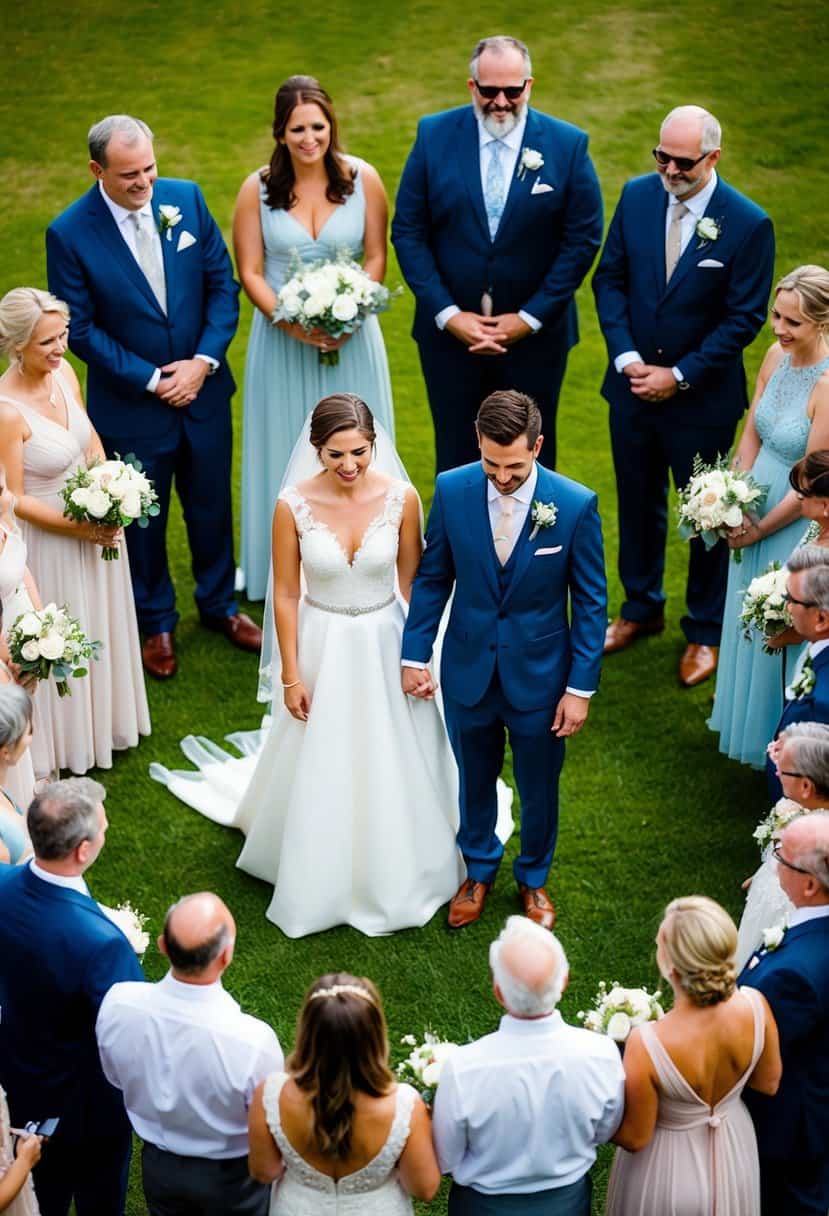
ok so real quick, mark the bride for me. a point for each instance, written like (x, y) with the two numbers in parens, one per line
(349, 801)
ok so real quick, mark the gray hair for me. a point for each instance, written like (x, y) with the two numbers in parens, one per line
(20, 310)
(710, 129)
(519, 998)
(63, 815)
(499, 44)
(15, 714)
(812, 561)
(813, 856)
(809, 742)
(130, 129)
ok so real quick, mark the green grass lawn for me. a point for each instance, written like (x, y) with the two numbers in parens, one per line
(650, 810)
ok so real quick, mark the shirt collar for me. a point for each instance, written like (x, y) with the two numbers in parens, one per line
(512, 1025)
(698, 202)
(513, 140)
(74, 882)
(205, 993)
(816, 647)
(801, 915)
(524, 493)
(121, 214)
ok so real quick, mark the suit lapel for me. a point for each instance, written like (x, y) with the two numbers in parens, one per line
(519, 188)
(168, 253)
(477, 515)
(655, 220)
(689, 253)
(105, 229)
(470, 163)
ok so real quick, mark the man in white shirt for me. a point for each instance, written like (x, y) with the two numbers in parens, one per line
(188, 1060)
(519, 1113)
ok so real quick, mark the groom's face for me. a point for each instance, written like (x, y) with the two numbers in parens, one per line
(129, 172)
(508, 465)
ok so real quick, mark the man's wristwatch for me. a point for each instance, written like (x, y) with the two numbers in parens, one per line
(682, 385)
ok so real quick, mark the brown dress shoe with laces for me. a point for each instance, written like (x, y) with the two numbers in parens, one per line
(697, 664)
(159, 656)
(468, 904)
(537, 905)
(238, 629)
(621, 633)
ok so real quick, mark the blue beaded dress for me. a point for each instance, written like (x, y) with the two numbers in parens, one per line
(284, 378)
(749, 697)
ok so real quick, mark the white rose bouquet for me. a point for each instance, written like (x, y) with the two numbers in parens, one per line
(51, 642)
(617, 1011)
(423, 1066)
(715, 500)
(132, 923)
(113, 493)
(335, 296)
(779, 817)
(764, 606)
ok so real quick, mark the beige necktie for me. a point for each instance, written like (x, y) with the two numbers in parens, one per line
(149, 256)
(503, 528)
(673, 239)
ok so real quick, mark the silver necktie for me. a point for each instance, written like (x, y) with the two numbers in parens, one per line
(149, 256)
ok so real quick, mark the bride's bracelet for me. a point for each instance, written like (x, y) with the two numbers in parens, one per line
(293, 684)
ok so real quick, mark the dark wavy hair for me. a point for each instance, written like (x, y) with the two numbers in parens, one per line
(341, 1045)
(279, 176)
(340, 412)
(810, 475)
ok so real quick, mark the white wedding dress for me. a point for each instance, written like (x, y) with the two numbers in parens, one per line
(372, 1191)
(766, 906)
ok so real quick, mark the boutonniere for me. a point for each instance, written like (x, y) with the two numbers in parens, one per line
(168, 217)
(773, 936)
(708, 230)
(803, 683)
(530, 160)
(544, 515)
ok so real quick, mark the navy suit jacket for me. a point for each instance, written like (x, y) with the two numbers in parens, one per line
(545, 243)
(523, 628)
(794, 1124)
(117, 326)
(702, 320)
(59, 956)
(814, 707)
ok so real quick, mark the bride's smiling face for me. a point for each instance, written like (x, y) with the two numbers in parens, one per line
(346, 455)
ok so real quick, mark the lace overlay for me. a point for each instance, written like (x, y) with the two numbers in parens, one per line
(781, 418)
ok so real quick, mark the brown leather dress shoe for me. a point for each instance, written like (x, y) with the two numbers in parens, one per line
(697, 664)
(537, 905)
(159, 656)
(621, 633)
(468, 904)
(238, 629)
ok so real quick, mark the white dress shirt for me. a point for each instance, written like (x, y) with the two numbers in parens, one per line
(74, 882)
(524, 1109)
(187, 1060)
(801, 915)
(687, 227)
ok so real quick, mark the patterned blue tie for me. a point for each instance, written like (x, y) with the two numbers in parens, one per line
(494, 189)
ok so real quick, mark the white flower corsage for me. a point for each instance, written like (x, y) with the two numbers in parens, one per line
(168, 217)
(544, 515)
(708, 230)
(773, 936)
(530, 160)
(803, 683)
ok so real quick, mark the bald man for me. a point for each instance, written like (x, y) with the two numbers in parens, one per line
(519, 1113)
(187, 1061)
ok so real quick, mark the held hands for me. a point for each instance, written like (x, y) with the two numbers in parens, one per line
(488, 335)
(99, 534)
(297, 701)
(181, 381)
(571, 715)
(418, 682)
(651, 383)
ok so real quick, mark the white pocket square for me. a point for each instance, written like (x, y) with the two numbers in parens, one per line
(185, 240)
(710, 264)
(541, 188)
(544, 552)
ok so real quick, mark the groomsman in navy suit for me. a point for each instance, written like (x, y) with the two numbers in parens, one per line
(682, 288)
(498, 220)
(154, 305)
(793, 1126)
(59, 956)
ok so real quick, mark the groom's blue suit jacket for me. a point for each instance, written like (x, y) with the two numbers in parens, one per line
(118, 327)
(523, 627)
(59, 956)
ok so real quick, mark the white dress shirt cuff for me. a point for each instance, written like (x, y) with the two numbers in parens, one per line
(533, 322)
(445, 315)
(579, 692)
(678, 376)
(152, 383)
(413, 663)
(626, 357)
(210, 361)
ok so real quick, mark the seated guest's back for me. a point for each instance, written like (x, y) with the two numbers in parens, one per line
(687, 1142)
(345, 1134)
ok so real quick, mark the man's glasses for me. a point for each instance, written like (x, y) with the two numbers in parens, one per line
(788, 598)
(683, 163)
(511, 91)
(775, 852)
(782, 772)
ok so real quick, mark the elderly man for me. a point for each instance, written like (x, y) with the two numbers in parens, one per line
(188, 1060)
(801, 760)
(681, 288)
(793, 1126)
(59, 955)
(519, 1114)
(498, 220)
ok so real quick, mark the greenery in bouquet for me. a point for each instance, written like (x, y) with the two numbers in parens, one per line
(617, 1010)
(423, 1065)
(50, 642)
(715, 500)
(113, 493)
(780, 815)
(764, 607)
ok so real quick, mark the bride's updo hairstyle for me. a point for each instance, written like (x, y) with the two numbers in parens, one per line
(811, 286)
(809, 476)
(20, 310)
(279, 177)
(340, 412)
(698, 941)
(341, 1045)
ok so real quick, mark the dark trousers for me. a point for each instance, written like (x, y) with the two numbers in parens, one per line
(647, 446)
(92, 1172)
(457, 382)
(573, 1200)
(195, 1186)
(794, 1188)
(197, 456)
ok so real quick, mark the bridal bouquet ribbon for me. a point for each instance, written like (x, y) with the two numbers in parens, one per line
(423, 1066)
(334, 295)
(764, 607)
(617, 1010)
(715, 499)
(132, 923)
(50, 642)
(779, 817)
(113, 493)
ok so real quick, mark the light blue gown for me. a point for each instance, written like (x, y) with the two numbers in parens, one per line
(749, 698)
(284, 378)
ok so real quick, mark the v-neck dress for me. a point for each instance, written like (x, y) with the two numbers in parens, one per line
(284, 378)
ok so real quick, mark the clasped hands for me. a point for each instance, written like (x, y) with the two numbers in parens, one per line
(181, 381)
(650, 382)
(488, 335)
(569, 718)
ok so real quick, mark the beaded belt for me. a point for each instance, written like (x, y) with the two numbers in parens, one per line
(349, 611)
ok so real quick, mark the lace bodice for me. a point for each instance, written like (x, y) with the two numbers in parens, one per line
(330, 578)
(781, 419)
(374, 1189)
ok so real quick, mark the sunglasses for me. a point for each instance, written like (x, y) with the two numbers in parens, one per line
(511, 91)
(683, 163)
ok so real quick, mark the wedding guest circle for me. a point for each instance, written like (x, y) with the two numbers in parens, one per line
(308, 204)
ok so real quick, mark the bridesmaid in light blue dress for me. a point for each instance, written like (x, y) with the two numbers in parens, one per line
(312, 201)
(789, 416)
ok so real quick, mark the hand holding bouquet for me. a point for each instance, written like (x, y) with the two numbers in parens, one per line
(764, 606)
(779, 817)
(616, 1012)
(112, 493)
(714, 502)
(51, 642)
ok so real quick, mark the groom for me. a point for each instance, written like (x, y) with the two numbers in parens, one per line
(517, 542)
